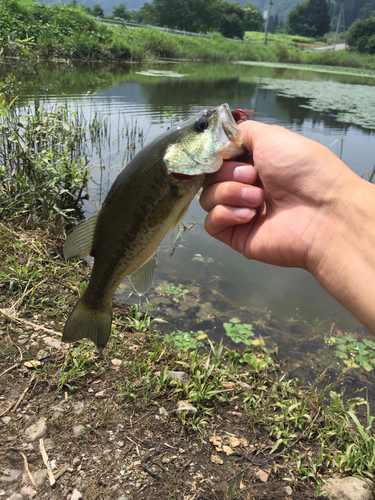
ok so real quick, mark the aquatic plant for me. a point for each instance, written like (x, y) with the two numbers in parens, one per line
(239, 332)
(353, 352)
(185, 340)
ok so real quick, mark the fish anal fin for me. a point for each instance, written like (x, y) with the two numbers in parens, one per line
(79, 241)
(143, 278)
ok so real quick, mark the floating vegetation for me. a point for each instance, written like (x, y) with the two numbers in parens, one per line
(154, 72)
(186, 340)
(239, 332)
(351, 103)
(353, 352)
(171, 289)
(313, 67)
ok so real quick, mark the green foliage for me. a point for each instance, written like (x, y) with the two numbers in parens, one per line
(139, 321)
(309, 18)
(171, 289)
(230, 23)
(184, 341)
(258, 357)
(120, 11)
(41, 175)
(361, 36)
(253, 18)
(354, 353)
(239, 332)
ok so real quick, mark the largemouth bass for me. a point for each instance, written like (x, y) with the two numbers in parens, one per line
(148, 198)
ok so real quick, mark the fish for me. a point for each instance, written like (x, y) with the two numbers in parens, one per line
(149, 197)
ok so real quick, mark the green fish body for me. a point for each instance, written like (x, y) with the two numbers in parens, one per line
(148, 198)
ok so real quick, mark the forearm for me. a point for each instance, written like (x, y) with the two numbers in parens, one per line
(346, 266)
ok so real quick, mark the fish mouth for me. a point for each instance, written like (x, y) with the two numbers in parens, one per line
(182, 177)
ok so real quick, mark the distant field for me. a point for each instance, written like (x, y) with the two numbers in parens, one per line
(282, 39)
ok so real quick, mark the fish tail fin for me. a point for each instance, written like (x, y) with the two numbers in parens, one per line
(85, 322)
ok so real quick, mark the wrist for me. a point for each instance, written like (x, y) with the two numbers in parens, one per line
(345, 262)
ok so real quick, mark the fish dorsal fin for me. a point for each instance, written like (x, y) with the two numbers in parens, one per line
(179, 218)
(143, 278)
(79, 241)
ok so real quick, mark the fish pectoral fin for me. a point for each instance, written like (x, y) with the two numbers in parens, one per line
(179, 218)
(143, 278)
(79, 241)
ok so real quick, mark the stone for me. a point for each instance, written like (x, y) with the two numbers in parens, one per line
(124, 498)
(180, 376)
(76, 495)
(58, 410)
(79, 407)
(288, 491)
(37, 430)
(15, 496)
(40, 476)
(184, 406)
(244, 385)
(10, 475)
(79, 430)
(348, 488)
(29, 491)
(6, 420)
(163, 412)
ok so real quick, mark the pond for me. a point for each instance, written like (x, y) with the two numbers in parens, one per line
(204, 283)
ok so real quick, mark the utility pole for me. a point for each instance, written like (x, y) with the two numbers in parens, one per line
(268, 18)
(338, 25)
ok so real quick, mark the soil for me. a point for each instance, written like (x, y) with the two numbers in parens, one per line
(111, 427)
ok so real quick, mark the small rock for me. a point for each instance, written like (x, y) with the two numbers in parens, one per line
(50, 341)
(27, 490)
(120, 443)
(244, 385)
(58, 410)
(123, 498)
(10, 475)
(15, 496)
(215, 459)
(37, 430)
(185, 406)
(163, 412)
(348, 488)
(262, 475)
(79, 407)
(42, 354)
(100, 394)
(180, 376)
(116, 362)
(76, 495)
(288, 490)
(22, 341)
(49, 444)
(79, 430)
(6, 420)
(2, 493)
(40, 476)
(90, 390)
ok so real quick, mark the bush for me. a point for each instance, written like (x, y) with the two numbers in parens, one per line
(361, 36)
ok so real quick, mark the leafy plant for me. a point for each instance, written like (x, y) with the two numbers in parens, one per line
(171, 289)
(75, 365)
(258, 357)
(239, 332)
(353, 352)
(186, 340)
(139, 321)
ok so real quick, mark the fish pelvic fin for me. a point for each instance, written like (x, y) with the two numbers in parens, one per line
(143, 278)
(85, 322)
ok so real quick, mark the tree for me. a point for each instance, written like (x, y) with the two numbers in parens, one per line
(298, 22)
(97, 10)
(361, 36)
(190, 15)
(230, 22)
(119, 11)
(319, 16)
(253, 19)
(309, 18)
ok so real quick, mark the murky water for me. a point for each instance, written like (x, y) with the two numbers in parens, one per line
(286, 306)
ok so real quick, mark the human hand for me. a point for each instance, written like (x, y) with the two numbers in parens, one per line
(300, 184)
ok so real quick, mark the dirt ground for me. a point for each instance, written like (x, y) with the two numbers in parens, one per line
(78, 425)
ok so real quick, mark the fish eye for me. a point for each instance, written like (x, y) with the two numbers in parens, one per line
(201, 124)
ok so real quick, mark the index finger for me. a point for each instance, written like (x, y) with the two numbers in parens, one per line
(232, 170)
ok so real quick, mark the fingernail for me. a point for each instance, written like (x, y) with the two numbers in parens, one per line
(243, 174)
(244, 213)
(248, 194)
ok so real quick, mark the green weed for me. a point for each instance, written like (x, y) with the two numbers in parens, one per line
(239, 332)
(186, 340)
(353, 352)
